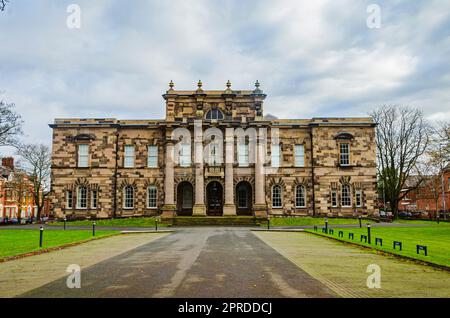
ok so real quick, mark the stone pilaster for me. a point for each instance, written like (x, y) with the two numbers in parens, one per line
(199, 206)
(229, 207)
(260, 207)
(169, 208)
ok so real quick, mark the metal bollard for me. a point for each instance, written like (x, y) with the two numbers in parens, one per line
(41, 236)
(360, 219)
(268, 223)
(65, 223)
(368, 233)
(326, 225)
(156, 225)
(93, 228)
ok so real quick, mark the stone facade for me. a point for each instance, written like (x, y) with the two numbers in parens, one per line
(210, 174)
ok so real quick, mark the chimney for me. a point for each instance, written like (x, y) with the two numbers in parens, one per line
(8, 162)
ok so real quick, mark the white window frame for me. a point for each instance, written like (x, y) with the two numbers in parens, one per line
(243, 155)
(299, 155)
(150, 199)
(303, 196)
(358, 197)
(126, 200)
(277, 186)
(129, 156)
(83, 156)
(185, 155)
(69, 199)
(276, 155)
(218, 115)
(152, 159)
(344, 157)
(345, 195)
(94, 199)
(82, 197)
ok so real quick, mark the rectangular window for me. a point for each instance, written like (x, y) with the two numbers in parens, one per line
(242, 199)
(69, 199)
(299, 155)
(152, 197)
(82, 198)
(300, 197)
(276, 156)
(94, 199)
(346, 198)
(129, 157)
(276, 197)
(152, 157)
(214, 155)
(83, 156)
(334, 201)
(243, 155)
(185, 155)
(344, 154)
(358, 197)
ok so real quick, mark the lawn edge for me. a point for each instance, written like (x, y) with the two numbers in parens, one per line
(404, 257)
(55, 248)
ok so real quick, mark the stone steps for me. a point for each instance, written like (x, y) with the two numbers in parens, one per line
(216, 221)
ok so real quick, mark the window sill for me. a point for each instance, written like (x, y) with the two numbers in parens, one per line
(128, 208)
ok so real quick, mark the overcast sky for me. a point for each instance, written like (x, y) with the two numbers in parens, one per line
(313, 58)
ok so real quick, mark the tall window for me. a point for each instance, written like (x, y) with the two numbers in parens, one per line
(185, 155)
(346, 199)
(276, 196)
(152, 161)
(69, 199)
(214, 155)
(128, 197)
(82, 198)
(300, 196)
(152, 197)
(334, 201)
(83, 156)
(299, 155)
(129, 157)
(344, 154)
(243, 155)
(94, 199)
(275, 155)
(214, 114)
(358, 198)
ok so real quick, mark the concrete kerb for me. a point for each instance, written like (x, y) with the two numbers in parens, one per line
(147, 231)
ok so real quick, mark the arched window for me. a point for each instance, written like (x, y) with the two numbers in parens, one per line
(214, 114)
(82, 198)
(128, 197)
(300, 196)
(152, 195)
(346, 198)
(276, 196)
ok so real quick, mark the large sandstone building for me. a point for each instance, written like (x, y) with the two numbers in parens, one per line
(215, 153)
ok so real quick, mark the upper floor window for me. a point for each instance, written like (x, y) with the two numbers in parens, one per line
(152, 197)
(276, 197)
(243, 155)
(276, 156)
(83, 156)
(214, 114)
(128, 197)
(300, 196)
(152, 161)
(185, 155)
(299, 155)
(82, 198)
(214, 155)
(346, 198)
(344, 154)
(129, 157)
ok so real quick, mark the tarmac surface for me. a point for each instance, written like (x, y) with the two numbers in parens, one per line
(193, 262)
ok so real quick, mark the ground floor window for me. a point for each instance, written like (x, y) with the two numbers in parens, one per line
(334, 201)
(82, 198)
(300, 196)
(128, 194)
(94, 199)
(346, 199)
(358, 196)
(152, 197)
(69, 199)
(276, 196)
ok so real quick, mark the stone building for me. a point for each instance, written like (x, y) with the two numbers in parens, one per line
(215, 153)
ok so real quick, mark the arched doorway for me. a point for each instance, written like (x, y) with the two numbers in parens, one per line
(185, 198)
(214, 198)
(244, 198)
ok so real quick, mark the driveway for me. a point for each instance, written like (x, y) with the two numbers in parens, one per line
(194, 262)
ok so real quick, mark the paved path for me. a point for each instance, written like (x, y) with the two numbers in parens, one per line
(199, 262)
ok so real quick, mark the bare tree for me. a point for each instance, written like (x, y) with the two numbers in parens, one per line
(19, 189)
(402, 137)
(10, 124)
(37, 159)
(3, 4)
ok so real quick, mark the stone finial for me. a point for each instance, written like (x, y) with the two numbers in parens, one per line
(228, 84)
(257, 90)
(257, 84)
(171, 85)
(199, 84)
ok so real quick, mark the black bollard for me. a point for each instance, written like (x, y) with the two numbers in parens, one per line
(360, 218)
(93, 228)
(268, 223)
(368, 233)
(326, 225)
(156, 225)
(41, 236)
(65, 223)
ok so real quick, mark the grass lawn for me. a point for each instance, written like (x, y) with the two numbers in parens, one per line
(435, 237)
(122, 222)
(307, 220)
(15, 242)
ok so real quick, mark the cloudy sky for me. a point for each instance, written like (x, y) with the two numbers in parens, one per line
(313, 58)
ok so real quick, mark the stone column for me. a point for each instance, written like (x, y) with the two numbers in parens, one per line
(199, 206)
(229, 207)
(169, 208)
(260, 207)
